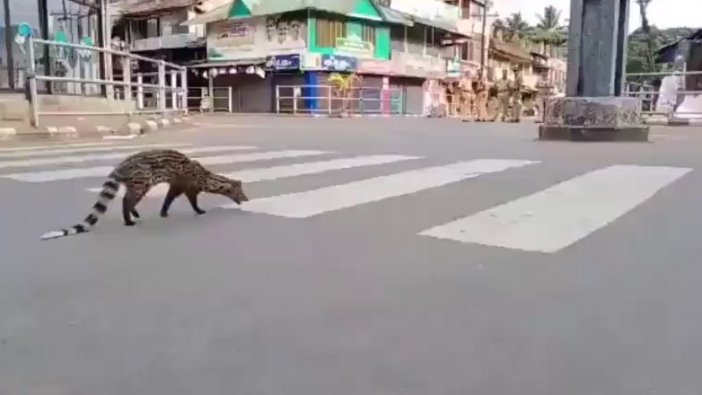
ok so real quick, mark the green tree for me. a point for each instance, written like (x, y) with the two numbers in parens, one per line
(549, 29)
(650, 39)
(516, 27)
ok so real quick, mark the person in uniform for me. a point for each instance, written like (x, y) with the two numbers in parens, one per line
(467, 97)
(545, 92)
(516, 96)
(502, 87)
(482, 91)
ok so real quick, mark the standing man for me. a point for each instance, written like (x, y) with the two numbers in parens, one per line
(545, 91)
(482, 91)
(516, 95)
(467, 97)
(503, 96)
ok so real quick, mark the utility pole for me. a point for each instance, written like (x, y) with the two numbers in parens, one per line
(483, 35)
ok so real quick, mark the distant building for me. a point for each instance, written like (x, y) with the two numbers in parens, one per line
(256, 46)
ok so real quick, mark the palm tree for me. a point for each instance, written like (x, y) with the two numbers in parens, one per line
(549, 29)
(499, 26)
(516, 27)
(646, 27)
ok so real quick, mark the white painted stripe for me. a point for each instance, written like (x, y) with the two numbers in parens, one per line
(103, 171)
(557, 217)
(53, 146)
(218, 160)
(101, 157)
(62, 151)
(318, 201)
(298, 169)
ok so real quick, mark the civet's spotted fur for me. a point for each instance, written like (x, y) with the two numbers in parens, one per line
(141, 171)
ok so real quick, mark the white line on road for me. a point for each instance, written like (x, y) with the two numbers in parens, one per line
(62, 151)
(103, 171)
(218, 160)
(298, 169)
(100, 157)
(53, 146)
(557, 217)
(336, 197)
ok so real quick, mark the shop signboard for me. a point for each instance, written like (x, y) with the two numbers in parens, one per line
(354, 45)
(283, 62)
(339, 63)
(255, 37)
(453, 69)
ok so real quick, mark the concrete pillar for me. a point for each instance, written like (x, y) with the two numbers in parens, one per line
(594, 108)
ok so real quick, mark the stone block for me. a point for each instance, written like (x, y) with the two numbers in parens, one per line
(151, 125)
(593, 119)
(134, 128)
(104, 129)
(6, 133)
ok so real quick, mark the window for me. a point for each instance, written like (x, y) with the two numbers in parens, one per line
(415, 39)
(328, 30)
(476, 50)
(477, 10)
(368, 34)
(397, 37)
(431, 41)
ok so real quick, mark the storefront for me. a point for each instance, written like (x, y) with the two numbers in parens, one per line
(50, 19)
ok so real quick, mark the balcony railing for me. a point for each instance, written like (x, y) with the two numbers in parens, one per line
(427, 9)
(166, 42)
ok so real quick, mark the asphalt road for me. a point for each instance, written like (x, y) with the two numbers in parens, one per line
(572, 268)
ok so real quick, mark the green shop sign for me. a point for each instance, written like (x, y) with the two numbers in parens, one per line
(354, 43)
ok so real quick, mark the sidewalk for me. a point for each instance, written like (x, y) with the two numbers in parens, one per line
(72, 127)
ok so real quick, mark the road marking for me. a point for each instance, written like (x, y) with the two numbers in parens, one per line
(298, 169)
(336, 197)
(103, 171)
(46, 152)
(53, 146)
(100, 157)
(557, 217)
(218, 160)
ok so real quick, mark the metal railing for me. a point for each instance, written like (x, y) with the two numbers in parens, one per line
(221, 98)
(666, 94)
(329, 100)
(165, 93)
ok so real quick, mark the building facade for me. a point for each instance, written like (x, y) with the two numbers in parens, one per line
(264, 49)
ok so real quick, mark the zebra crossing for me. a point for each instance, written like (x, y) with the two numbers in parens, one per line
(546, 221)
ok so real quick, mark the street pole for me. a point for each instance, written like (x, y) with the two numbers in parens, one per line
(483, 36)
(483, 41)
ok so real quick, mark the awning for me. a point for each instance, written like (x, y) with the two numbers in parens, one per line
(439, 24)
(152, 6)
(510, 50)
(396, 17)
(218, 14)
(667, 53)
(226, 63)
(272, 7)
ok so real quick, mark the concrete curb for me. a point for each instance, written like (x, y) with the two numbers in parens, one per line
(673, 122)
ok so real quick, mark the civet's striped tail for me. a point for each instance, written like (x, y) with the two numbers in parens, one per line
(108, 193)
